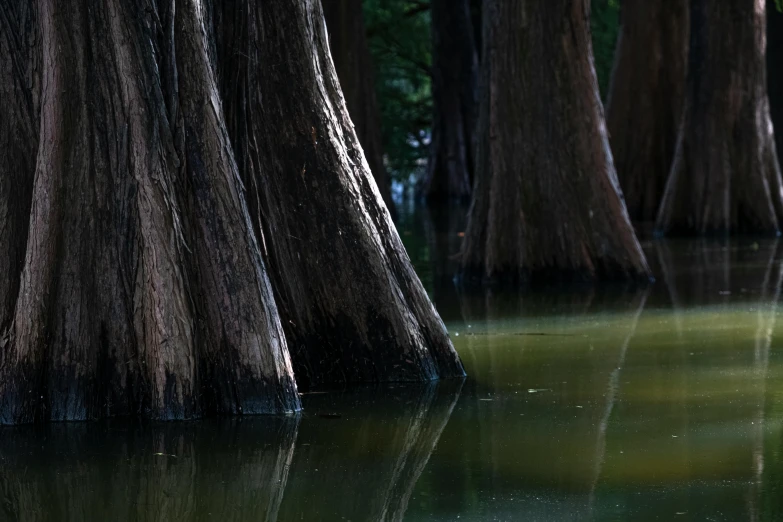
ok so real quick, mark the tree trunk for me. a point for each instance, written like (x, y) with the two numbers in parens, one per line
(455, 99)
(774, 71)
(20, 71)
(353, 62)
(143, 289)
(353, 309)
(546, 206)
(725, 177)
(645, 99)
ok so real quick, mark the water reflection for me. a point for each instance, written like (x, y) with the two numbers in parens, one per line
(585, 404)
(232, 471)
(365, 464)
(354, 456)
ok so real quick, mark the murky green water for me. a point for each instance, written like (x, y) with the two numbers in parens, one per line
(662, 404)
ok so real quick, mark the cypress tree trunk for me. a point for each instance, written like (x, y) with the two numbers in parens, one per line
(353, 309)
(645, 99)
(20, 71)
(725, 177)
(546, 206)
(455, 98)
(143, 289)
(353, 62)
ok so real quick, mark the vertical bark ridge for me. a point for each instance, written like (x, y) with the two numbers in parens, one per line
(352, 307)
(243, 344)
(353, 63)
(20, 71)
(547, 205)
(725, 177)
(646, 96)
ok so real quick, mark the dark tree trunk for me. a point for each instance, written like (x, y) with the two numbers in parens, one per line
(546, 206)
(353, 62)
(455, 99)
(725, 177)
(20, 71)
(143, 289)
(645, 99)
(774, 70)
(352, 307)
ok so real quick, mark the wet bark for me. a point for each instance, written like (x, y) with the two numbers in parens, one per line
(143, 291)
(547, 206)
(353, 62)
(455, 102)
(725, 177)
(645, 99)
(353, 309)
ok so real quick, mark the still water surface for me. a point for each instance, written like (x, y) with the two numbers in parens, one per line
(657, 404)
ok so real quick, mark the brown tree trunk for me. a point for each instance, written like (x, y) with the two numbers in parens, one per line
(455, 99)
(20, 71)
(353, 62)
(352, 307)
(645, 99)
(546, 206)
(725, 177)
(143, 289)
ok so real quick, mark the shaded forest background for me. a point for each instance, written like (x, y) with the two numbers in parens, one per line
(400, 41)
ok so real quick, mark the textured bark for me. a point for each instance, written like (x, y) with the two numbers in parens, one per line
(725, 177)
(353, 62)
(143, 290)
(352, 307)
(455, 100)
(20, 71)
(546, 205)
(774, 71)
(645, 99)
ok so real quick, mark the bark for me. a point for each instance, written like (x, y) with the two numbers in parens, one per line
(774, 73)
(725, 177)
(353, 62)
(20, 71)
(143, 289)
(353, 309)
(546, 205)
(645, 99)
(455, 101)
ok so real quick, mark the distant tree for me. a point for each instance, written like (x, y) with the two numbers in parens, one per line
(725, 177)
(455, 101)
(774, 71)
(645, 99)
(353, 62)
(546, 205)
